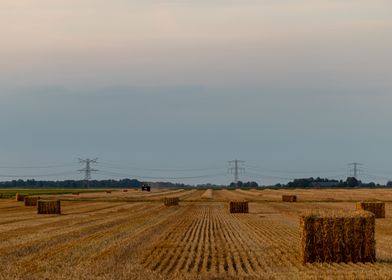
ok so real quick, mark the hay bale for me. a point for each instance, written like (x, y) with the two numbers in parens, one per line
(49, 207)
(171, 201)
(377, 208)
(31, 200)
(75, 193)
(289, 198)
(238, 207)
(338, 237)
(20, 197)
(108, 191)
(125, 190)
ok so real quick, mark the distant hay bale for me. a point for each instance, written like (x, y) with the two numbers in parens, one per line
(31, 200)
(338, 237)
(238, 207)
(171, 201)
(20, 197)
(75, 193)
(108, 191)
(49, 207)
(289, 198)
(125, 190)
(377, 208)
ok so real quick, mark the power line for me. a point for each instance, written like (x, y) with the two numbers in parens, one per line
(255, 175)
(376, 176)
(37, 167)
(162, 177)
(126, 167)
(257, 168)
(37, 175)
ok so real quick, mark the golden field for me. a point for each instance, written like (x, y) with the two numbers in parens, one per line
(132, 235)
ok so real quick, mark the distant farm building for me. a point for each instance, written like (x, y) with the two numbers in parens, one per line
(146, 188)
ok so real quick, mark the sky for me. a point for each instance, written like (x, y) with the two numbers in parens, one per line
(160, 90)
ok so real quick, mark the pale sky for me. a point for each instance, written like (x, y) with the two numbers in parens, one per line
(294, 88)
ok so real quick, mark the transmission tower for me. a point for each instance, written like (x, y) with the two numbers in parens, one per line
(354, 169)
(88, 169)
(236, 168)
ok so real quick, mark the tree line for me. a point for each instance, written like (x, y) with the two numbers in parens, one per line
(72, 184)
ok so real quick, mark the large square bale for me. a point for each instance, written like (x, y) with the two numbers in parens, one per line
(338, 237)
(48, 207)
(171, 201)
(20, 197)
(289, 198)
(238, 207)
(377, 208)
(31, 200)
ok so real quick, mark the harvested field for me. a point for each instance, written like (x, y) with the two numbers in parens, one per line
(110, 237)
(207, 194)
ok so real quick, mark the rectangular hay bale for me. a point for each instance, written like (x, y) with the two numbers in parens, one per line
(289, 198)
(238, 207)
(31, 200)
(338, 237)
(49, 207)
(171, 201)
(20, 197)
(377, 208)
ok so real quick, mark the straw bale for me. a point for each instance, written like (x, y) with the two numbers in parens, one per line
(31, 200)
(49, 207)
(20, 197)
(171, 201)
(238, 207)
(338, 237)
(377, 208)
(289, 198)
